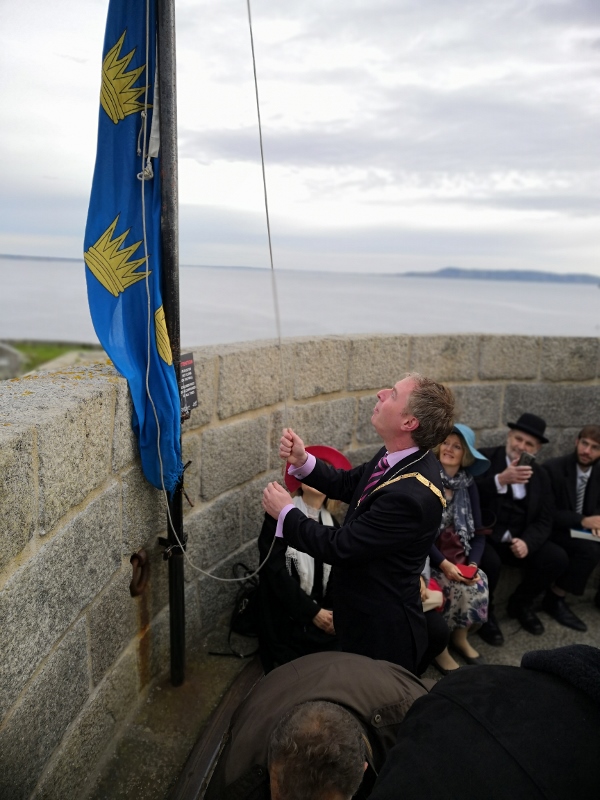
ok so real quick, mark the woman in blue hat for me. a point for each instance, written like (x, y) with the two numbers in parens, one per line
(459, 546)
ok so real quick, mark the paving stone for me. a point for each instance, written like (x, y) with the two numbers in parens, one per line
(125, 447)
(91, 733)
(322, 422)
(377, 362)
(40, 601)
(560, 406)
(205, 370)
(214, 531)
(251, 504)
(365, 432)
(566, 358)
(18, 490)
(112, 622)
(320, 366)
(509, 357)
(144, 510)
(249, 377)
(50, 704)
(445, 358)
(233, 454)
(479, 405)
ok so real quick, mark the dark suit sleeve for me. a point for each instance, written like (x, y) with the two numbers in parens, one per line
(371, 535)
(338, 484)
(286, 589)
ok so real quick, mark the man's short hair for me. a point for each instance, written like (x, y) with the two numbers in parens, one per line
(317, 749)
(590, 432)
(433, 405)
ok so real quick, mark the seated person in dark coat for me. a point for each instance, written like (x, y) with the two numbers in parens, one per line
(529, 733)
(518, 497)
(281, 739)
(575, 482)
(395, 507)
(295, 600)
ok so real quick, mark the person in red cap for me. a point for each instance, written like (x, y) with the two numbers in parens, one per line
(295, 600)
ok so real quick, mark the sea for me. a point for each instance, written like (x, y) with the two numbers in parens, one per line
(46, 300)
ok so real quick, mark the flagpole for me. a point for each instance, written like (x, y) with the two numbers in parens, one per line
(170, 289)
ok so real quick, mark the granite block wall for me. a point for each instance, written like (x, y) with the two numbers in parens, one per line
(77, 652)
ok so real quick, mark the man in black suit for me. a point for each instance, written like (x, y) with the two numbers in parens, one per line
(575, 482)
(395, 508)
(517, 497)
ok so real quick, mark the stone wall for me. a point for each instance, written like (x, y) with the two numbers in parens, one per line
(77, 653)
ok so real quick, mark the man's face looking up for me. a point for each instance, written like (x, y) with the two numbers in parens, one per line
(518, 442)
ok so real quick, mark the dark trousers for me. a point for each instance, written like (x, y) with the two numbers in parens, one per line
(540, 569)
(438, 636)
(583, 557)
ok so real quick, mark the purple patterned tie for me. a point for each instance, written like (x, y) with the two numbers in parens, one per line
(382, 466)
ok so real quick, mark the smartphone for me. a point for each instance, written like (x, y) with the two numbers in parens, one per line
(525, 459)
(467, 572)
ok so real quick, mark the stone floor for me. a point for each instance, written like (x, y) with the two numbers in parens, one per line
(155, 746)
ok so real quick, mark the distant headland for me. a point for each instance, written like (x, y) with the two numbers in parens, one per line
(524, 275)
(534, 276)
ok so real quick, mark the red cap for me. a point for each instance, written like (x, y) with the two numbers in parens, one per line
(325, 453)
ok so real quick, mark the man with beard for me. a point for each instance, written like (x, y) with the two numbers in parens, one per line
(575, 482)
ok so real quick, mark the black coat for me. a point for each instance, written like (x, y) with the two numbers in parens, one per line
(496, 732)
(286, 630)
(562, 472)
(377, 555)
(538, 525)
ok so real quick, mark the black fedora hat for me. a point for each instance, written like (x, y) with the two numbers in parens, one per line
(530, 423)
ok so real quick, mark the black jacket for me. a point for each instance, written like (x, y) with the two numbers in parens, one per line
(538, 500)
(562, 472)
(286, 630)
(496, 732)
(377, 555)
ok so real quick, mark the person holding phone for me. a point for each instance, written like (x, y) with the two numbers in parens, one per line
(458, 548)
(518, 495)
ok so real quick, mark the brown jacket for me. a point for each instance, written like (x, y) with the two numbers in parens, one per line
(377, 693)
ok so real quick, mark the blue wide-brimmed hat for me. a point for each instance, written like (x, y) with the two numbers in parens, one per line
(481, 463)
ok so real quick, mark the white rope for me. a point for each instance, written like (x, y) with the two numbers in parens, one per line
(264, 177)
(143, 176)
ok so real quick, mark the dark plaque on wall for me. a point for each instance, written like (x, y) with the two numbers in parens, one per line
(187, 385)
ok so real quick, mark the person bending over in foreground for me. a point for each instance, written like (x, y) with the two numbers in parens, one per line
(527, 733)
(309, 728)
(395, 507)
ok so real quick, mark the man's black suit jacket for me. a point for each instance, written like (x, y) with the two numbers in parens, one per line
(377, 555)
(562, 472)
(538, 525)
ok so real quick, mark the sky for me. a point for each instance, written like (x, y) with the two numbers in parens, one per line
(398, 135)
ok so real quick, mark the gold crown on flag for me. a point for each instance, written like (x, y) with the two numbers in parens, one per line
(117, 96)
(110, 264)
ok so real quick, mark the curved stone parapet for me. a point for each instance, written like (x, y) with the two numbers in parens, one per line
(78, 652)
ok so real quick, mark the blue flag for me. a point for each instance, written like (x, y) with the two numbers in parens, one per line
(123, 271)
